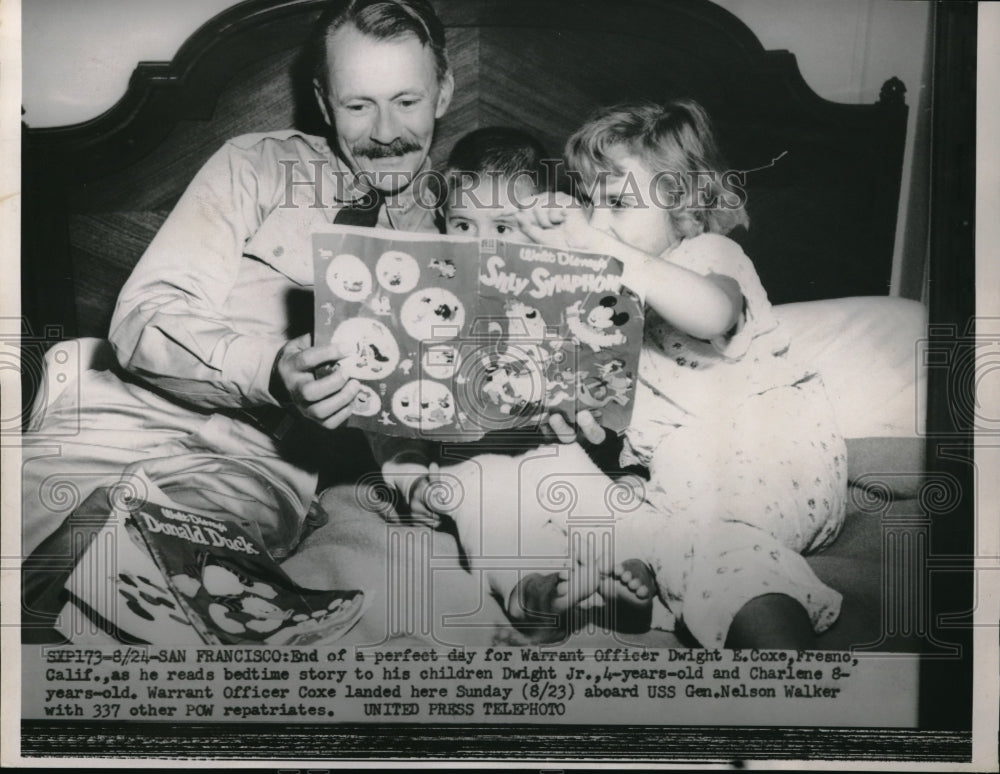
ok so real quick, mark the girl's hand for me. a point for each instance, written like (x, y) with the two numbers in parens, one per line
(560, 221)
(547, 212)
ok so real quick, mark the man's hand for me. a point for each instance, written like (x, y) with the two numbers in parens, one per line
(325, 400)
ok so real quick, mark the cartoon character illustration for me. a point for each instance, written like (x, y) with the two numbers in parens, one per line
(397, 272)
(328, 308)
(376, 352)
(445, 267)
(258, 615)
(611, 384)
(432, 313)
(599, 330)
(406, 366)
(312, 628)
(238, 603)
(145, 598)
(510, 383)
(523, 320)
(424, 404)
(617, 379)
(222, 579)
(594, 392)
(386, 420)
(380, 305)
(366, 403)
(561, 386)
(526, 322)
(349, 278)
(439, 361)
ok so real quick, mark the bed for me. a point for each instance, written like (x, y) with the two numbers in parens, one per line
(95, 194)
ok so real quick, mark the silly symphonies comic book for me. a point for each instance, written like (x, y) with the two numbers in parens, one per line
(453, 337)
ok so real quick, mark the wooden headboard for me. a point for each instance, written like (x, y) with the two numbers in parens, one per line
(823, 217)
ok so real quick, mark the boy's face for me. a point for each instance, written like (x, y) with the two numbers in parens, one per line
(628, 208)
(489, 209)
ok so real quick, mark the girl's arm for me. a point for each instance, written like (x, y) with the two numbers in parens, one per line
(703, 306)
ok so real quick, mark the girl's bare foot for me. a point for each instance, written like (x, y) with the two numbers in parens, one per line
(628, 593)
(541, 604)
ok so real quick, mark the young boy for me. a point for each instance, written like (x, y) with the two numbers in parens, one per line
(513, 502)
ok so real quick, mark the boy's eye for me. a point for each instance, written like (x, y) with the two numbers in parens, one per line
(502, 228)
(460, 225)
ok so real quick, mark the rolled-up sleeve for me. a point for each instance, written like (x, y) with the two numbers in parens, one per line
(170, 326)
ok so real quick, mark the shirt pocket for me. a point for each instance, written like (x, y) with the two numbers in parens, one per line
(284, 242)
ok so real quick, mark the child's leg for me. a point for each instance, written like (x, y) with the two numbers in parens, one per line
(742, 498)
(771, 621)
(541, 526)
(542, 604)
(521, 547)
(628, 589)
(731, 571)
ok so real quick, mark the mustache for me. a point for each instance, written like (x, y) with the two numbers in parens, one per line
(376, 150)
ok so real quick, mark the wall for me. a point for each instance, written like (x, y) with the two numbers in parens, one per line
(863, 43)
(78, 56)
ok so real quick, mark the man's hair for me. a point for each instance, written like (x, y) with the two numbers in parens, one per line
(674, 141)
(499, 152)
(382, 20)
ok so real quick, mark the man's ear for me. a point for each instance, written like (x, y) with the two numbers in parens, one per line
(445, 90)
(324, 108)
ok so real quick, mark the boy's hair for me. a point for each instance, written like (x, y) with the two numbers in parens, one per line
(676, 143)
(496, 151)
(382, 20)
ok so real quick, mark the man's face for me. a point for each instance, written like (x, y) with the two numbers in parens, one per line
(382, 100)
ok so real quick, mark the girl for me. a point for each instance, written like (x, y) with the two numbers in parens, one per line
(747, 468)
(494, 490)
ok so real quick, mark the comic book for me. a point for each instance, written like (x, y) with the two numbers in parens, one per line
(161, 573)
(116, 590)
(452, 337)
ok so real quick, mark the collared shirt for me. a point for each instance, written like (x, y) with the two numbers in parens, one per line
(228, 278)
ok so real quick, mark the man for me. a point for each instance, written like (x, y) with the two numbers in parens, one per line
(217, 398)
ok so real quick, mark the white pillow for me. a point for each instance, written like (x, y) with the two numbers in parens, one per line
(865, 348)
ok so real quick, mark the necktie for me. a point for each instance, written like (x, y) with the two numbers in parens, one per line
(362, 211)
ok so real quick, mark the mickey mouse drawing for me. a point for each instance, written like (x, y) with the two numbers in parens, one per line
(601, 328)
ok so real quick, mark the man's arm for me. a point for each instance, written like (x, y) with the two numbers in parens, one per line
(170, 325)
